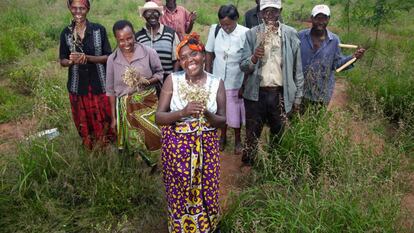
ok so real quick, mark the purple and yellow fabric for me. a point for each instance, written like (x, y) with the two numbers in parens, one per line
(191, 166)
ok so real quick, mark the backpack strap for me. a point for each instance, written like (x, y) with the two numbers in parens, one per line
(216, 31)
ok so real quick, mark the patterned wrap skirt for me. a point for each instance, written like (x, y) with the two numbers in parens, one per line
(191, 172)
(92, 116)
(136, 128)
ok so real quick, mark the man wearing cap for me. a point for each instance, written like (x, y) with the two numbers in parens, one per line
(321, 55)
(178, 18)
(273, 88)
(252, 17)
(161, 38)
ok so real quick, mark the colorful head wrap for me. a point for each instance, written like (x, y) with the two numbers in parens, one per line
(193, 41)
(86, 3)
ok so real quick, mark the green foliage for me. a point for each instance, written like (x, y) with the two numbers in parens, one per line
(21, 35)
(9, 49)
(62, 187)
(314, 180)
(14, 17)
(351, 189)
(299, 152)
(52, 100)
(269, 208)
(300, 14)
(387, 91)
(13, 106)
(25, 80)
(204, 17)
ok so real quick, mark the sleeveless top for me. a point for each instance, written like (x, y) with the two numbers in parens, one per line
(179, 83)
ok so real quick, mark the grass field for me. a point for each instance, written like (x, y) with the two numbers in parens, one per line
(317, 180)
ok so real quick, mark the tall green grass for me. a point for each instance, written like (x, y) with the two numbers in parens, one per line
(386, 88)
(14, 106)
(317, 180)
(57, 186)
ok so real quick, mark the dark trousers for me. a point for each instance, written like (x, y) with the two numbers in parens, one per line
(267, 110)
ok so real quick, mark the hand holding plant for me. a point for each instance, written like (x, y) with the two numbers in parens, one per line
(195, 109)
(78, 58)
(196, 97)
(258, 53)
(133, 78)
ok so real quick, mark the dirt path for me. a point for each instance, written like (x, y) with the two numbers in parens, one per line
(13, 131)
(231, 177)
(359, 130)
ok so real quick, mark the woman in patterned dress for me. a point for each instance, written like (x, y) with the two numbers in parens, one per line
(84, 49)
(192, 106)
(133, 104)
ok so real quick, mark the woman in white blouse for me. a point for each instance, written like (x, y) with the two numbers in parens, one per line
(224, 48)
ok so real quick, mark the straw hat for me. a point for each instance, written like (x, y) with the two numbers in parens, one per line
(149, 6)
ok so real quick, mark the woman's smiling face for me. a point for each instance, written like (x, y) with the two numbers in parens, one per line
(191, 61)
(79, 11)
(228, 24)
(125, 39)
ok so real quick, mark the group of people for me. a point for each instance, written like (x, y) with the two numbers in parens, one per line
(162, 92)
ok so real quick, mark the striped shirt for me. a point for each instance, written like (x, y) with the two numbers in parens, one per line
(164, 42)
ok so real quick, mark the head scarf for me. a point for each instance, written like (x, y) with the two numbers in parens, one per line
(193, 41)
(86, 3)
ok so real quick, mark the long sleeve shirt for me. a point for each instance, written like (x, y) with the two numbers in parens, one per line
(81, 76)
(145, 59)
(291, 66)
(319, 65)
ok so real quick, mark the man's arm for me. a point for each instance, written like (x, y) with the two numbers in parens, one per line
(190, 22)
(246, 64)
(297, 69)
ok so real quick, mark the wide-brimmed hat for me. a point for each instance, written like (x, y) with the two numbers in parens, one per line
(149, 6)
(270, 3)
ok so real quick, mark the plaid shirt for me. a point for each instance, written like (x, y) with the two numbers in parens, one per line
(179, 20)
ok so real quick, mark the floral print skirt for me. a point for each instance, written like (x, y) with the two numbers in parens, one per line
(191, 172)
(136, 128)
